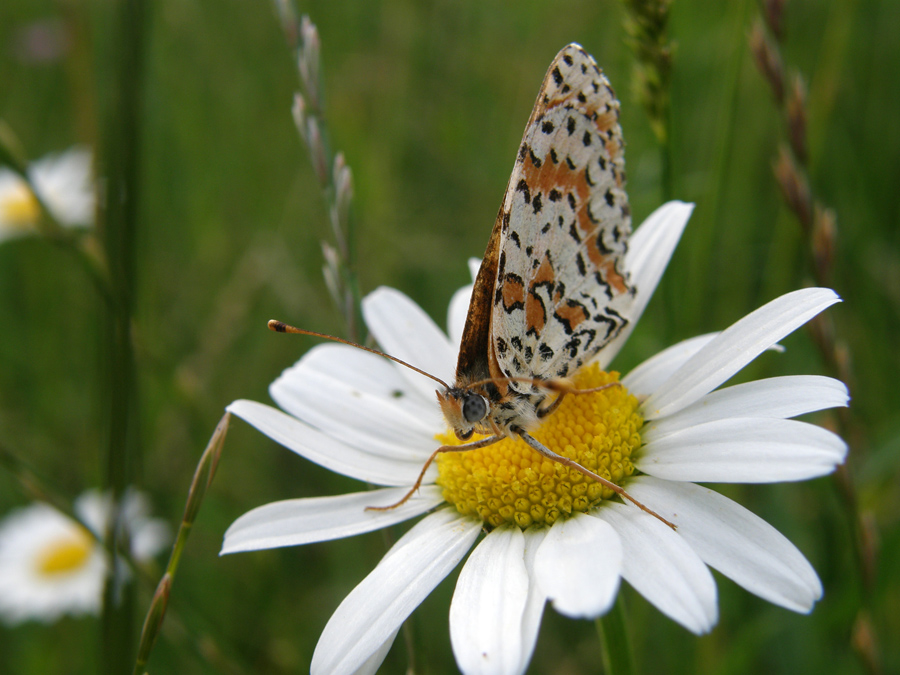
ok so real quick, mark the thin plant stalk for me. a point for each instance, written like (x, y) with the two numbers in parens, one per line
(203, 477)
(647, 28)
(332, 172)
(612, 629)
(819, 227)
(121, 82)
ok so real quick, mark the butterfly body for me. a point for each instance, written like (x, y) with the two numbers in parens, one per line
(551, 291)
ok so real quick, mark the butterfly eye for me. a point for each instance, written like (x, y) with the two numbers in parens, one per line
(474, 408)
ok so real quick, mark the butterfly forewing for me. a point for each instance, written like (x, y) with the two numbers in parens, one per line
(560, 290)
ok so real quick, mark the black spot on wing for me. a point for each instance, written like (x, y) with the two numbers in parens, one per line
(502, 347)
(522, 187)
(573, 232)
(557, 76)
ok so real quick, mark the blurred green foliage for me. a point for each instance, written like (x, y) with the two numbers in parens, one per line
(428, 102)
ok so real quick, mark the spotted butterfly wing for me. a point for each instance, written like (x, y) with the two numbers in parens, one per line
(552, 272)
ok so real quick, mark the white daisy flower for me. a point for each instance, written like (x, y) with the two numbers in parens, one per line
(66, 185)
(553, 535)
(51, 566)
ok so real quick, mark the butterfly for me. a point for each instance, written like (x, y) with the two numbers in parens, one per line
(552, 290)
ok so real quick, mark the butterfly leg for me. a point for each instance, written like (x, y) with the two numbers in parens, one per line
(566, 389)
(444, 448)
(572, 464)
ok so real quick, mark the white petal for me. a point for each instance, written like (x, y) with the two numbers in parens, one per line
(371, 374)
(376, 608)
(403, 330)
(663, 568)
(371, 665)
(65, 183)
(534, 605)
(648, 376)
(456, 314)
(777, 397)
(361, 399)
(744, 450)
(325, 450)
(649, 251)
(735, 347)
(293, 522)
(490, 597)
(734, 541)
(578, 566)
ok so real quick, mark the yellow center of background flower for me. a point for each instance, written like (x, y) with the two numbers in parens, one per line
(20, 208)
(66, 554)
(508, 482)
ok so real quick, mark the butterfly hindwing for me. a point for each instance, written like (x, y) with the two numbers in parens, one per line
(559, 288)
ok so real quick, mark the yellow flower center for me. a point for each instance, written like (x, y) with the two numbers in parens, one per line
(20, 208)
(66, 554)
(508, 482)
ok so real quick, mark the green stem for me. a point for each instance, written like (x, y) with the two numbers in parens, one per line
(120, 85)
(615, 641)
(203, 477)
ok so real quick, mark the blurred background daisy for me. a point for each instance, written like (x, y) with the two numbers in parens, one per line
(65, 184)
(50, 565)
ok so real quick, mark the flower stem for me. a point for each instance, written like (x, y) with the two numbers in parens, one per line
(615, 641)
(121, 78)
(331, 169)
(203, 476)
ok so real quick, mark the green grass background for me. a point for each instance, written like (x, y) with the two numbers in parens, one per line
(428, 102)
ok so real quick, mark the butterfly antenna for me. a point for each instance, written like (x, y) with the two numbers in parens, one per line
(281, 327)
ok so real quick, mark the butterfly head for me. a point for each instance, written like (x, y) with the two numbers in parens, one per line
(466, 411)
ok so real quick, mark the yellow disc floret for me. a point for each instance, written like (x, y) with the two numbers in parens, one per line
(66, 555)
(508, 482)
(20, 209)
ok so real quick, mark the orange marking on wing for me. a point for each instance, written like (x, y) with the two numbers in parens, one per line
(513, 294)
(606, 121)
(535, 313)
(544, 178)
(572, 314)
(612, 276)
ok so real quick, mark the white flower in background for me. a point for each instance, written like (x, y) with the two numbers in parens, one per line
(51, 566)
(64, 181)
(553, 535)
